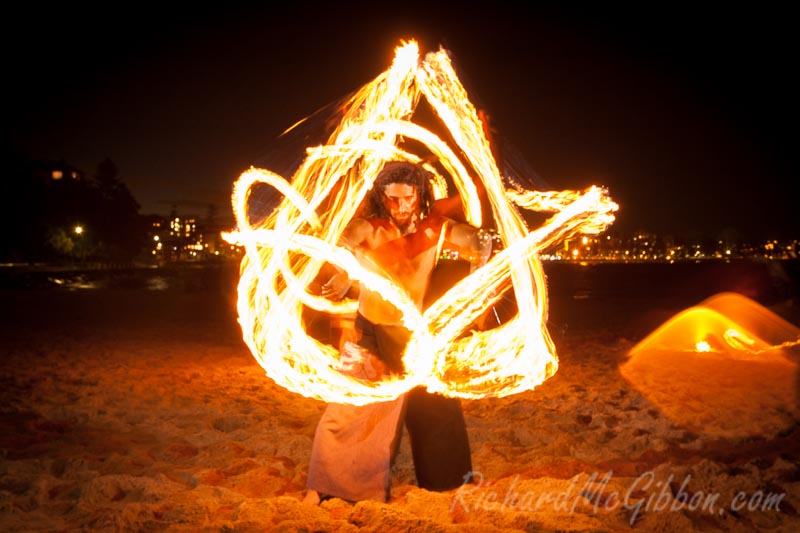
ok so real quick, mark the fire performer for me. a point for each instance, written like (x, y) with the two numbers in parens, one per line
(402, 234)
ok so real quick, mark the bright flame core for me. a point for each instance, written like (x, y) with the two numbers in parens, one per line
(285, 251)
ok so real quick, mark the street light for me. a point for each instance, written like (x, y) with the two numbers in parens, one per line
(80, 244)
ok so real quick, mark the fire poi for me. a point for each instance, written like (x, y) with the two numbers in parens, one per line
(285, 251)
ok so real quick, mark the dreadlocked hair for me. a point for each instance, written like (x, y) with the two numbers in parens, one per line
(401, 172)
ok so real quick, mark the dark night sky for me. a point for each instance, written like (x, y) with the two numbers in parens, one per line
(687, 115)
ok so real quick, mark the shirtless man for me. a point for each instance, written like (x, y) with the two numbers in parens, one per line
(403, 233)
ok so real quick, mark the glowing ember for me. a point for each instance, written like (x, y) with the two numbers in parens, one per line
(285, 251)
(703, 346)
(723, 367)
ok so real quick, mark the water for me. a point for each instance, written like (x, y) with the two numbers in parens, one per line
(633, 298)
(191, 277)
(763, 280)
(626, 298)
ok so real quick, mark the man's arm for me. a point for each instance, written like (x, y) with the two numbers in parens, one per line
(472, 244)
(353, 236)
(356, 232)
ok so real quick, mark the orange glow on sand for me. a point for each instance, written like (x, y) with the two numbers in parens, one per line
(726, 367)
(285, 251)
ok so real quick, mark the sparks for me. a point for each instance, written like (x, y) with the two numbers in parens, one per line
(285, 251)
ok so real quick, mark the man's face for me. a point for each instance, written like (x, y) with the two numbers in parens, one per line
(402, 202)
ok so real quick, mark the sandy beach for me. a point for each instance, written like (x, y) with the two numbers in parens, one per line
(143, 410)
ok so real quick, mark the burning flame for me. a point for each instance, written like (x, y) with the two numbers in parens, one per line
(285, 252)
(726, 367)
(703, 346)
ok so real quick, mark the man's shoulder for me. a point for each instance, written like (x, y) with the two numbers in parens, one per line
(362, 229)
(437, 221)
(370, 224)
(449, 207)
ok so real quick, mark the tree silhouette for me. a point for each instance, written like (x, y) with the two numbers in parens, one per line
(42, 213)
(115, 215)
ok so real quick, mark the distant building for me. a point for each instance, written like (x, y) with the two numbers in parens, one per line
(184, 238)
(55, 171)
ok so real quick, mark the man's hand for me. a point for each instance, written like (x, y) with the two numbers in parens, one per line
(337, 286)
(359, 362)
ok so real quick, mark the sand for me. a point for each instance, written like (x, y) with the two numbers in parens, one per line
(133, 410)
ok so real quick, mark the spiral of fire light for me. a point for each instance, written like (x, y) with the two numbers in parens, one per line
(285, 251)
